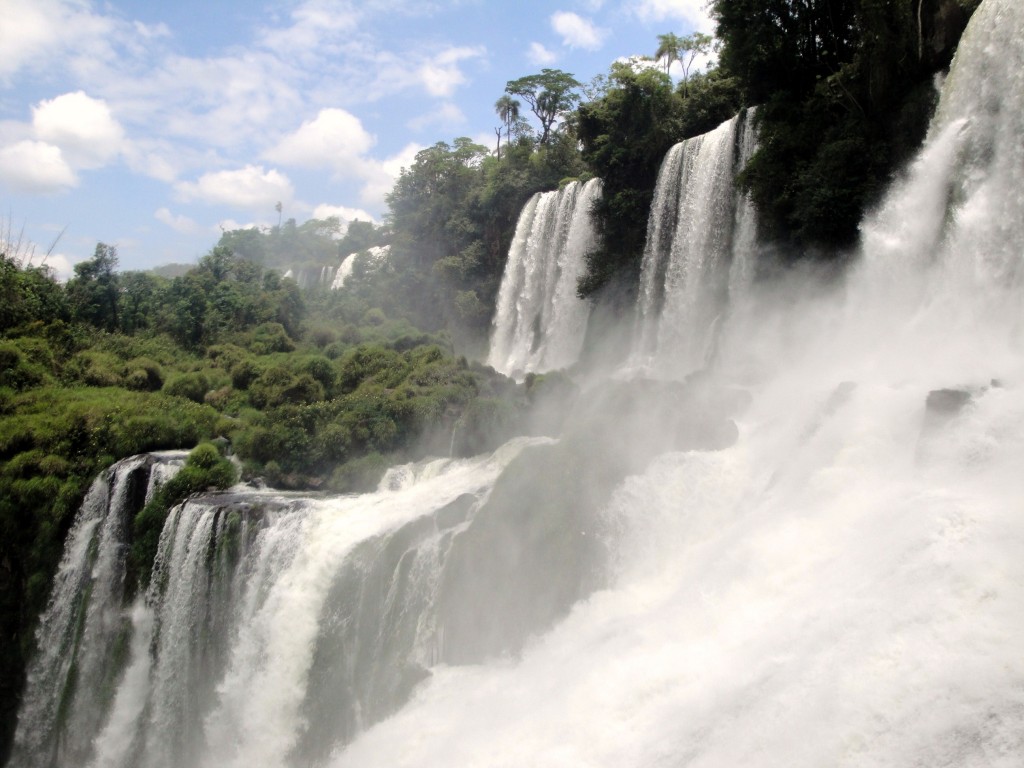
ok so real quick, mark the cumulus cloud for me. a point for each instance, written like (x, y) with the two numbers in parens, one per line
(541, 56)
(382, 175)
(343, 213)
(335, 138)
(441, 74)
(577, 32)
(179, 223)
(35, 167)
(251, 188)
(83, 127)
(695, 12)
(63, 266)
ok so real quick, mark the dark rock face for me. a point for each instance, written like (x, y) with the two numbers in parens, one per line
(942, 22)
(946, 402)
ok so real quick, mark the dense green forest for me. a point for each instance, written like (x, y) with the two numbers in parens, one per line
(321, 390)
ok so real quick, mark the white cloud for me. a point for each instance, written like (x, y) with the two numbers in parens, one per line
(343, 213)
(335, 138)
(695, 12)
(441, 74)
(155, 159)
(382, 175)
(83, 127)
(179, 223)
(230, 225)
(314, 23)
(541, 56)
(447, 116)
(35, 167)
(577, 32)
(63, 267)
(40, 32)
(250, 187)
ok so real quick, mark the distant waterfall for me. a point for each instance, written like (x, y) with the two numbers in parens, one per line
(375, 255)
(540, 322)
(700, 241)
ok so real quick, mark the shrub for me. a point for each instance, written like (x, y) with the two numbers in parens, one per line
(192, 386)
(144, 375)
(204, 469)
(95, 369)
(270, 337)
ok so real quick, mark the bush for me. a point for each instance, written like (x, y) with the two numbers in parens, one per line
(359, 475)
(95, 369)
(270, 337)
(192, 386)
(204, 469)
(144, 375)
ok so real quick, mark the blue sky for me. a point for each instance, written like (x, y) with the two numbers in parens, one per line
(153, 125)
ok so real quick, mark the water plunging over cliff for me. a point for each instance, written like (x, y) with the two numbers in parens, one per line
(833, 579)
(540, 322)
(699, 251)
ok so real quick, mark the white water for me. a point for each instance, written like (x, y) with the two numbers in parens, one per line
(375, 254)
(844, 586)
(539, 323)
(700, 248)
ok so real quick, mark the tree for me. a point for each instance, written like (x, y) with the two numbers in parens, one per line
(507, 110)
(550, 95)
(685, 50)
(93, 291)
(669, 50)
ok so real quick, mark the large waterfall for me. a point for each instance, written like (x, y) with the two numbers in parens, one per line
(700, 242)
(540, 323)
(809, 555)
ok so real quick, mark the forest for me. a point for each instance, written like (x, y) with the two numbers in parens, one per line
(319, 389)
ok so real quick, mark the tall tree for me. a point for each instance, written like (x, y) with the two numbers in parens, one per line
(94, 290)
(685, 50)
(669, 51)
(507, 110)
(550, 94)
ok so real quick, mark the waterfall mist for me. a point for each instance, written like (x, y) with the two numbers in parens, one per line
(801, 550)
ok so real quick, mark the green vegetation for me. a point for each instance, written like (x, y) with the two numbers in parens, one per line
(846, 92)
(320, 389)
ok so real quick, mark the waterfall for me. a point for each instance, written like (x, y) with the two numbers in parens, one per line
(539, 323)
(807, 556)
(84, 630)
(274, 628)
(375, 256)
(842, 586)
(699, 250)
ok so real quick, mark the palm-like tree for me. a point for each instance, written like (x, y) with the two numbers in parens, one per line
(507, 110)
(670, 49)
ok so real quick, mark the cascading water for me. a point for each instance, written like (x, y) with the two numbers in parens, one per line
(835, 580)
(84, 630)
(540, 322)
(274, 628)
(700, 243)
(375, 254)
